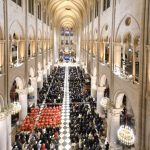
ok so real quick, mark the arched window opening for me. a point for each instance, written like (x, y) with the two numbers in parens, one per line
(14, 97)
(16, 50)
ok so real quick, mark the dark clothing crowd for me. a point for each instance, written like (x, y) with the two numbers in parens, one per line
(86, 127)
(85, 124)
(44, 138)
(40, 139)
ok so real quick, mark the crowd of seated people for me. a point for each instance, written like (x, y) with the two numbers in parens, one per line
(56, 92)
(44, 138)
(76, 81)
(40, 139)
(86, 126)
(55, 81)
(42, 93)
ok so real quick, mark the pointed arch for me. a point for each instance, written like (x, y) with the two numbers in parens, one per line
(16, 28)
(31, 32)
(105, 33)
(119, 98)
(133, 27)
(39, 34)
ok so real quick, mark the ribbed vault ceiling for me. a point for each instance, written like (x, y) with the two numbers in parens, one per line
(67, 13)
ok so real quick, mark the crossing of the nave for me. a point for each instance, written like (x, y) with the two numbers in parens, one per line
(74, 74)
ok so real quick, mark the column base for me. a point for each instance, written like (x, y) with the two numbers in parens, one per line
(5, 130)
(115, 147)
(113, 122)
(24, 105)
(40, 80)
(34, 84)
(3, 135)
(93, 87)
(100, 94)
(9, 132)
(94, 92)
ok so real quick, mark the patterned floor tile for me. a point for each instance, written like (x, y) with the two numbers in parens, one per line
(65, 142)
(68, 140)
(61, 135)
(61, 147)
(68, 146)
(67, 135)
(61, 141)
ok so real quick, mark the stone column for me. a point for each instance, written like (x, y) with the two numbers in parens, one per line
(6, 54)
(55, 57)
(93, 87)
(113, 122)
(3, 131)
(78, 55)
(98, 42)
(47, 34)
(86, 47)
(112, 39)
(45, 73)
(104, 53)
(82, 47)
(5, 122)
(100, 94)
(34, 84)
(17, 53)
(92, 37)
(23, 103)
(40, 79)
(8, 126)
(88, 39)
(52, 46)
(117, 57)
(134, 64)
(143, 73)
(84, 52)
(36, 36)
(124, 49)
(26, 43)
(42, 40)
(10, 52)
(48, 69)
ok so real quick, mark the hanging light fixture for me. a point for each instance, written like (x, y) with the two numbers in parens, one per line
(126, 135)
(105, 102)
(15, 108)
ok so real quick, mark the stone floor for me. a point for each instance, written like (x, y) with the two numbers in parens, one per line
(64, 141)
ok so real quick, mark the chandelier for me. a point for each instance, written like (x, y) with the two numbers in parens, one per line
(15, 108)
(126, 135)
(105, 102)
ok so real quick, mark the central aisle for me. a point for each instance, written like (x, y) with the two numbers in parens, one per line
(64, 141)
